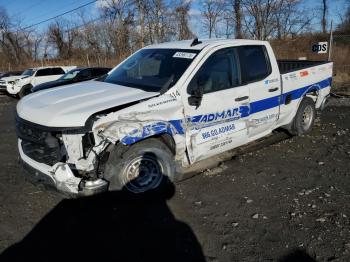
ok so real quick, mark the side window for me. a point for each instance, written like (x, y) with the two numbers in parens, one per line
(99, 71)
(219, 72)
(84, 74)
(255, 62)
(57, 71)
(44, 72)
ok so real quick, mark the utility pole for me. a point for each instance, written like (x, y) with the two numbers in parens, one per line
(330, 42)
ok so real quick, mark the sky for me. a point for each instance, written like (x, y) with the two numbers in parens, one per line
(33, 11)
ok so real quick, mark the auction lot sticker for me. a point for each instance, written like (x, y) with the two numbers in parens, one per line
(184, 55)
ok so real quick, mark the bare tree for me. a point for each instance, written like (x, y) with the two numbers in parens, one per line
(344, 25)
(237, 8)
(260, 17)
(62, 37)
(15, 44)
(181, 18)
(118, 20)
(324, 16)
(212, 11)
(141, 8)
(290, 19)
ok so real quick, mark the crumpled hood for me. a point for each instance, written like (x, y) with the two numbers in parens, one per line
(72, 105)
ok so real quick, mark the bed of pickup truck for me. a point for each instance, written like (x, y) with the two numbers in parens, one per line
(163, 109)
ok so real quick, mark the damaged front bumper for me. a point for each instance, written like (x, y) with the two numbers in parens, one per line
(60, 176)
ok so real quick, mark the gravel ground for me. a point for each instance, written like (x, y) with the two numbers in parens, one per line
(287, 201)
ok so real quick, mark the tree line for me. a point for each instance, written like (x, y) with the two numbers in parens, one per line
(124, 26)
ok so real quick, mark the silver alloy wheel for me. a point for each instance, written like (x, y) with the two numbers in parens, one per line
(143, 173)
(307, 117)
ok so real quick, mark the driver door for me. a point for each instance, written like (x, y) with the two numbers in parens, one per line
(219, 123)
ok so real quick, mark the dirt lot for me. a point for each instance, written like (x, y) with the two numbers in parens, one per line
(288, 201)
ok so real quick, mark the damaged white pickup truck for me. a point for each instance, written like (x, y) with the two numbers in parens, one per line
(163, 109)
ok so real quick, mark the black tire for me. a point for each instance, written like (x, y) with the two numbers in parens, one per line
(150, 154)
(304, 118)
(25, 90)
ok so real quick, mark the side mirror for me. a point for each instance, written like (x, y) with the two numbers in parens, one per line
(196, 92)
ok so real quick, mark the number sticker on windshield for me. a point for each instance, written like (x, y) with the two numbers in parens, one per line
(184, 55)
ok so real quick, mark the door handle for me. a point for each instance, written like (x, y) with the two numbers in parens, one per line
(241, 98)
(273, 89)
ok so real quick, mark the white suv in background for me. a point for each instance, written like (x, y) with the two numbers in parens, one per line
(22, 84)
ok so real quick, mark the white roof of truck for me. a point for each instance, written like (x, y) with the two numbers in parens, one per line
(186, 44)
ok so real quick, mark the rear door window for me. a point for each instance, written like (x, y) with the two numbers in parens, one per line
(43, 72)
(254, 62)
(57, 71)
(99, 71)
(84, 74)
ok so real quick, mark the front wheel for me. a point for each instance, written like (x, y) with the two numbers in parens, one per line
(25, 90)
(145, 166)
(304, 118)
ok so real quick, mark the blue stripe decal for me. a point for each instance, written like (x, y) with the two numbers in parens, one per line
(272, 102)
(172, 127)
(264, 104)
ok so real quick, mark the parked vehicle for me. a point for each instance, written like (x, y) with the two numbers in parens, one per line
(74, 76)
(3, 82)
(163, 109)
(10, 73)
(22, 85)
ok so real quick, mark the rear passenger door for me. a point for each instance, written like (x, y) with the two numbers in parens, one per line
(264, 86)
(219, 122)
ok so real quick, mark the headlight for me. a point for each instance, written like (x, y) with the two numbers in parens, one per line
(10, 82)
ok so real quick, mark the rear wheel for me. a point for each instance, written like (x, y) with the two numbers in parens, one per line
(145, 166)
(304, 118)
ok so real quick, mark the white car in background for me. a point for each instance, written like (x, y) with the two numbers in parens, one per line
(22, 84)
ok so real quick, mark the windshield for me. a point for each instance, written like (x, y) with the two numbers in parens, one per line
(70, 75)
(28, 72)
(153, 70)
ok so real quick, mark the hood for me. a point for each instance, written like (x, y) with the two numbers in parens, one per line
(72, 105)
(12, 78)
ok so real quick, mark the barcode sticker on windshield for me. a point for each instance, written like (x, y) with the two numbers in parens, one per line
(184, 55)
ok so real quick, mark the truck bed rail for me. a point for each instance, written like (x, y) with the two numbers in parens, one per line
(286, 66)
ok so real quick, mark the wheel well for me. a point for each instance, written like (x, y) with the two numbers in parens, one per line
(27, 85)
(312, 93)
(165, 138)
(168, 140)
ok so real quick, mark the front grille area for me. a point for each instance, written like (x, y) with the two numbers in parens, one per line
(38, 143)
